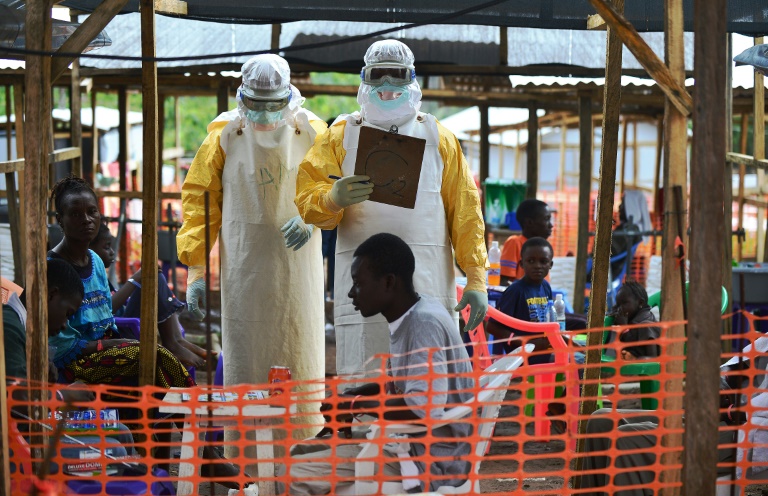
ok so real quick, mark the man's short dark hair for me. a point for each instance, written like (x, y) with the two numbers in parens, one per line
(637, 291)
(536, 242)
(527, 210)
(388, 254)
(63, 276)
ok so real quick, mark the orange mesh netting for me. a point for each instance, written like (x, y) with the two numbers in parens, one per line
(514, 455)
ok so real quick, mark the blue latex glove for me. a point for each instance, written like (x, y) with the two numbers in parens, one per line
(478, 304)
(196, 291)
(296, 233)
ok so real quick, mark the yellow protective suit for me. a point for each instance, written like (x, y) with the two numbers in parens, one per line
(446, 171)
(272, 296)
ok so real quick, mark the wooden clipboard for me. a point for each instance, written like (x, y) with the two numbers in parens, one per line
(393, 162)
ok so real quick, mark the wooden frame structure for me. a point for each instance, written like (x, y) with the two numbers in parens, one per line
(707, 106)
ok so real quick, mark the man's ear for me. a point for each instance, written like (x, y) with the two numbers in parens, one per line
(390, 281)
(52, 292)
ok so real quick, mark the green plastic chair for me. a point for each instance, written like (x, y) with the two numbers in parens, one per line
(646, 368)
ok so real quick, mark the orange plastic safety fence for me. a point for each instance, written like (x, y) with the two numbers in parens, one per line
(505, 449)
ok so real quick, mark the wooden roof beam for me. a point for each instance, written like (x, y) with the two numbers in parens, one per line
(88, 30)
(647, 58)
(175, 7)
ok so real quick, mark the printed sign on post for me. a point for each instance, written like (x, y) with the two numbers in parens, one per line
(393, 162)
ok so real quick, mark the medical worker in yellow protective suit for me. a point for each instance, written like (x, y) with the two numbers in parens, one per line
(272, 302)
(446, 217)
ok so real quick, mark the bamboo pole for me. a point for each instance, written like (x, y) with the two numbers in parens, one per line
(37, 140)
(702, 395)
(532, 152)
(675, 174)
(742, 172)
(151, 159)
(602, 248)
(585, 188)
(657, 169)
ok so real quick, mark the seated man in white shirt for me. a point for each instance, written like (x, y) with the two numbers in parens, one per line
(423, 337)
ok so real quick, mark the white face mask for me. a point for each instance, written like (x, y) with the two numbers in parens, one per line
(385, 113)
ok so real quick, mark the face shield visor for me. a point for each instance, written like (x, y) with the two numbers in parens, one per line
(265, 101)
(387, 73)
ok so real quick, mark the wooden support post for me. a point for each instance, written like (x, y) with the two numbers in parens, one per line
(727, 327)
(635, 155)
(177, 142)
(160, 137)
(95, 163)
(18, 109)
(37, 140)
(561, 171)
(657, 170)
(585, 188)
(75, 118)
(502, 150)
(623, 168)
(122, 160)
(702, 394)
(742, 173)
(222, 98)
(532, 152)
(5, 462)
(11, 194)
(485, 148)
(503, 46)
(758, 144)
(675, 174)
(151, 159)
(275, 41)
(517, 174)
(603, 231)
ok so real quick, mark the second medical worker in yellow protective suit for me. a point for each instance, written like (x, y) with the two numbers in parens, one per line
(447, 213)
(272, 302)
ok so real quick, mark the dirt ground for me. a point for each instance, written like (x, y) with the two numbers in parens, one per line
(500, 473)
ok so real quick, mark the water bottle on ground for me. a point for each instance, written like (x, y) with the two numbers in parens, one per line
(559, 306)
(494, 258)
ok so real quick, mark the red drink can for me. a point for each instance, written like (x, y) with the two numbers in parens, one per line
(278, 374)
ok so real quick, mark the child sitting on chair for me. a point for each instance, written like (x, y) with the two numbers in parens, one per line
(526, 299)
(168, 307)
(632, 308)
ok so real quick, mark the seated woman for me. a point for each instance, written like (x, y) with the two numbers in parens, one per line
(127, 301)
(88, 349)
(632, 308)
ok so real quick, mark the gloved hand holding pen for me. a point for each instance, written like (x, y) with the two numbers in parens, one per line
(349, 190)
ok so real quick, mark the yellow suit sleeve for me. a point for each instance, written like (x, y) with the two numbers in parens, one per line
(462, 212)
(313, 186)
(204, 175)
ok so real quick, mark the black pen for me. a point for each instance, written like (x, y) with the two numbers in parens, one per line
(337, 178)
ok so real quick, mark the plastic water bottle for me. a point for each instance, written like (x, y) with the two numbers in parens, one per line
(494, 257)
(559, 306)
(551, 314)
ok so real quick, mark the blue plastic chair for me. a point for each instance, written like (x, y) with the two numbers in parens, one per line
(618, 279)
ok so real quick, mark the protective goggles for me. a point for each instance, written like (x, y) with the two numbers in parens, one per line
(265, 105)
(396, 74)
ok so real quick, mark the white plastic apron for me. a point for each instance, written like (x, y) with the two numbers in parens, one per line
(425, 230)
(272, 302)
